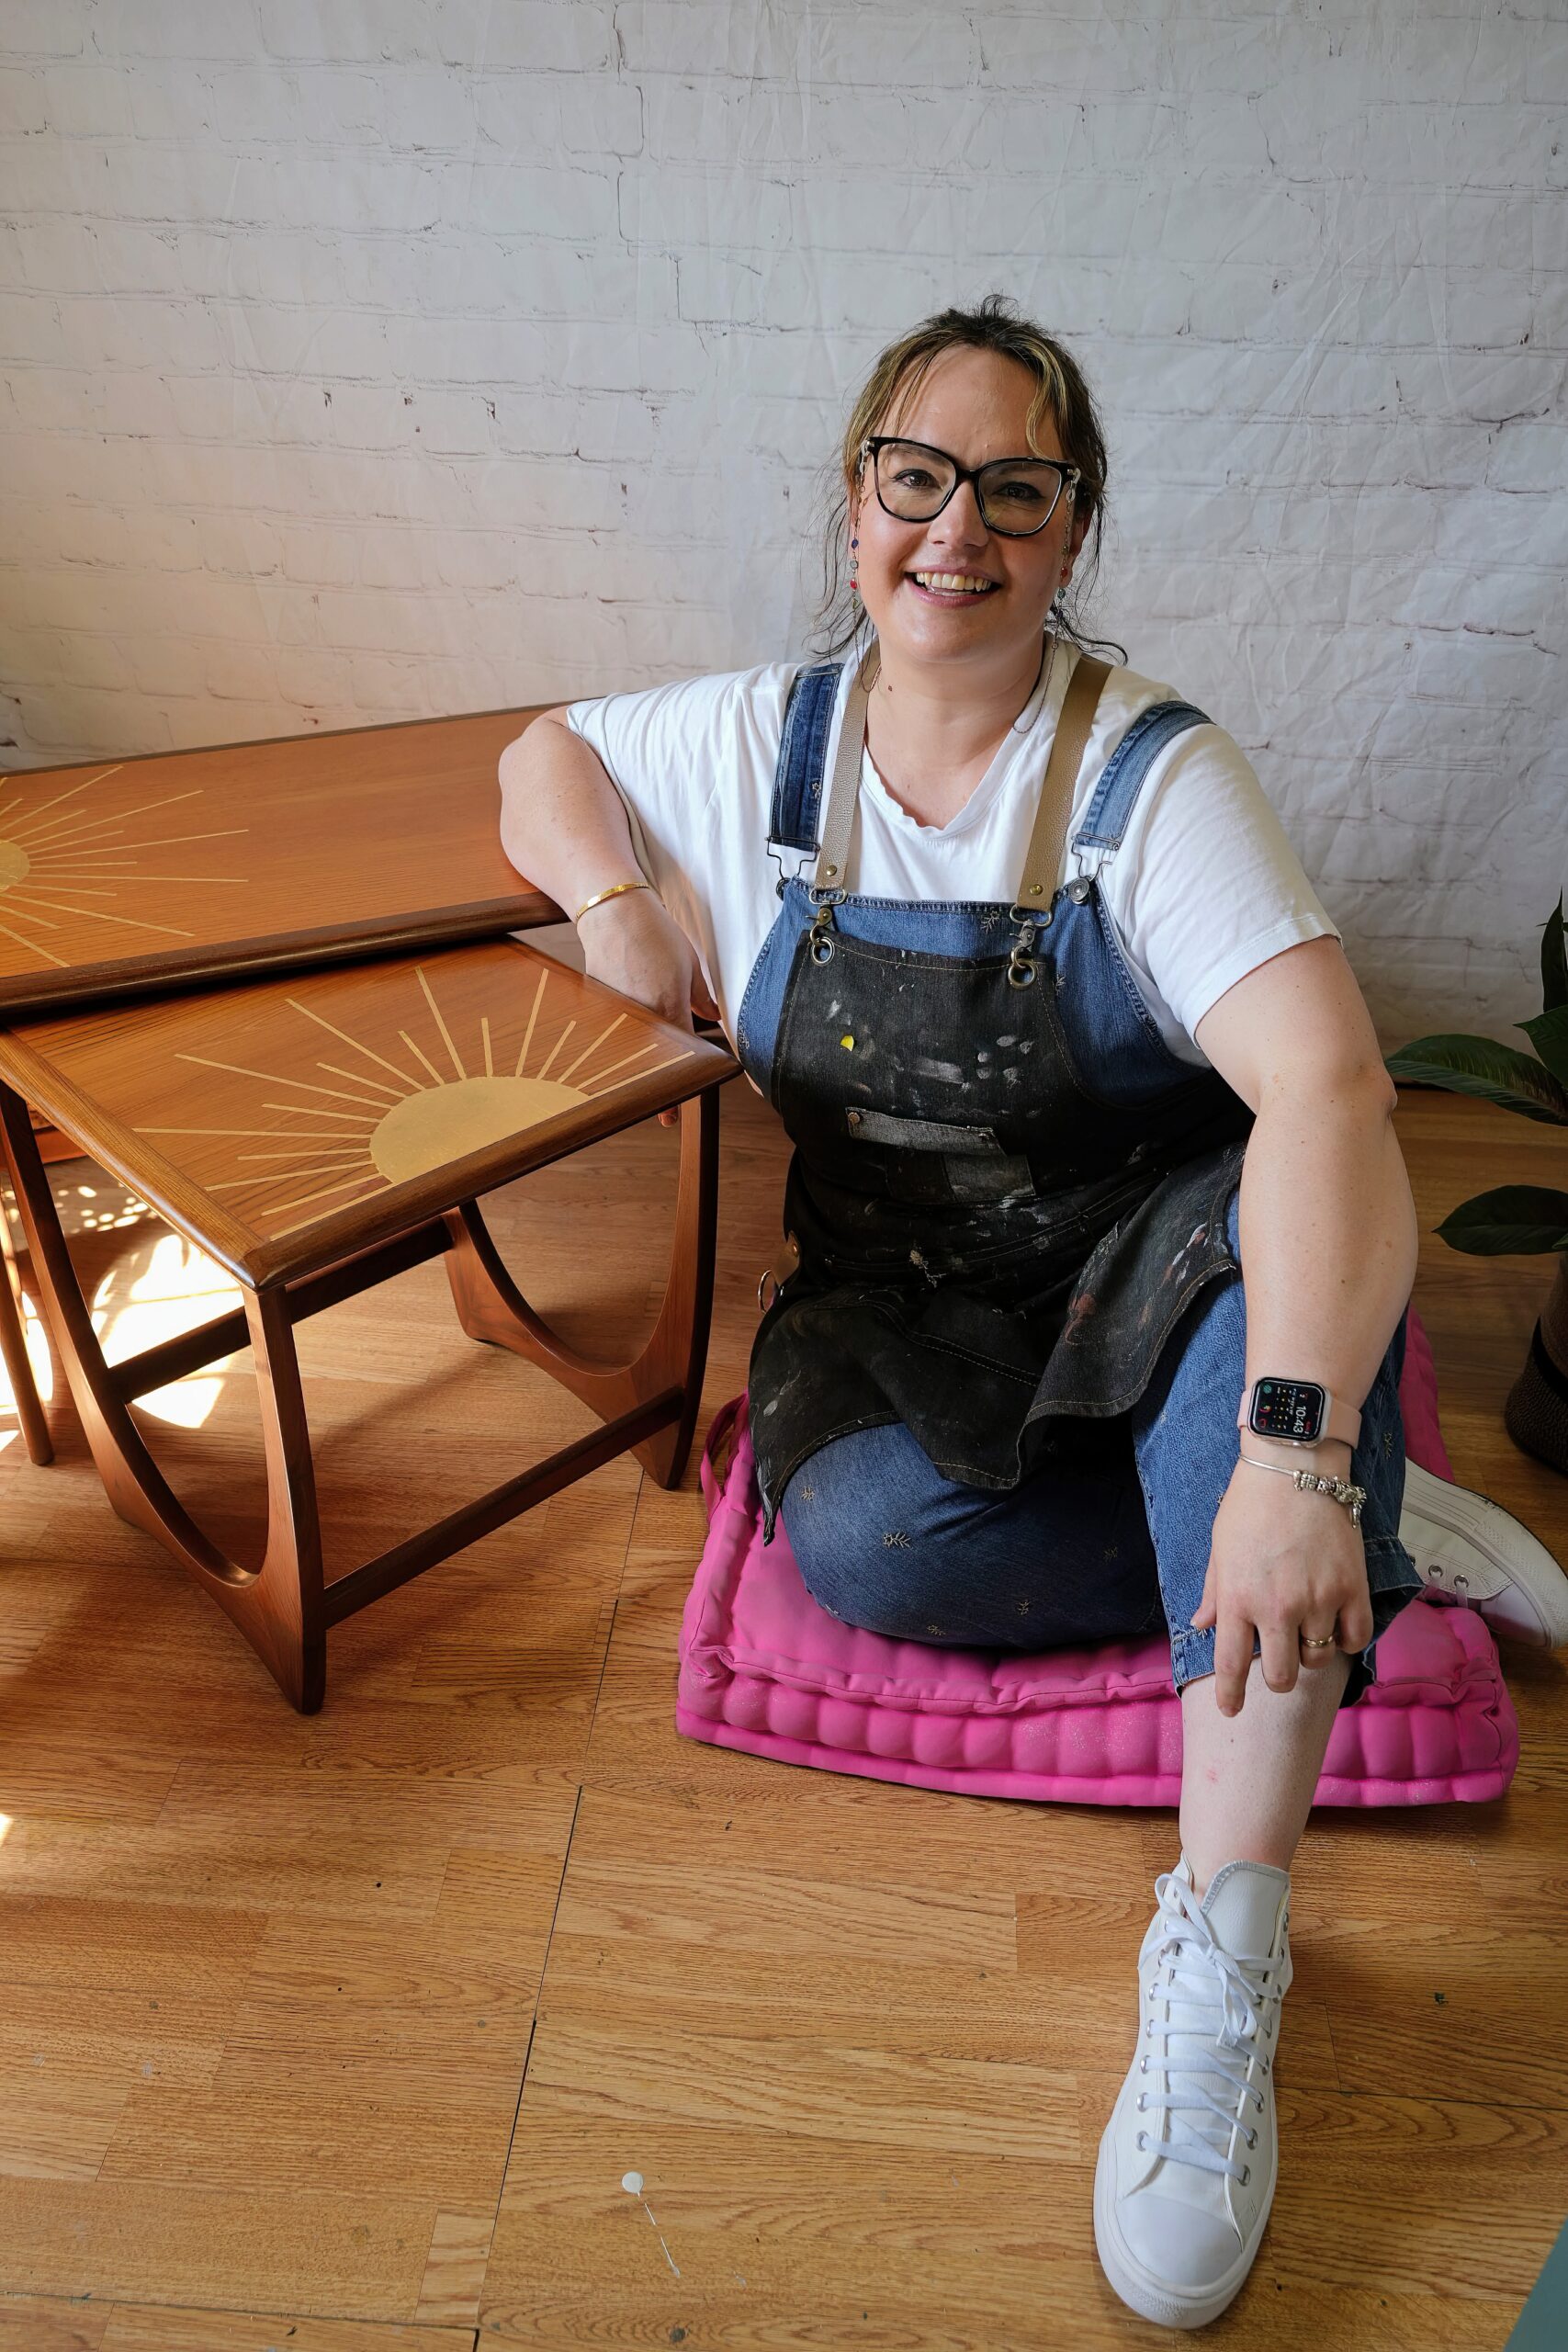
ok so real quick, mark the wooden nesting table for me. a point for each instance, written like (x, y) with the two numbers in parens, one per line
(317, 1133)
(314, 1120)
(125, 877)
(122, 877)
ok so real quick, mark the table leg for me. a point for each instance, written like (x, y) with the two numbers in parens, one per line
(278, 1607)
(14, 1347)
(490, 1307)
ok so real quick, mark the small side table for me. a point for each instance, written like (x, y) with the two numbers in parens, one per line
(317, 1135)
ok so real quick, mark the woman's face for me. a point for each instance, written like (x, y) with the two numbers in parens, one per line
(975, 405)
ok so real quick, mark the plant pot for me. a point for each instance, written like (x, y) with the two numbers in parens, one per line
(1536, 1415)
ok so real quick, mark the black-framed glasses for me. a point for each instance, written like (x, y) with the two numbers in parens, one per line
(1017, 496)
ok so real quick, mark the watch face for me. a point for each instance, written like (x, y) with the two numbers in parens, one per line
(1288, 1408)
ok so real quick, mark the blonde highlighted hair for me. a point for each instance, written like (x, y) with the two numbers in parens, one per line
(1060, 395)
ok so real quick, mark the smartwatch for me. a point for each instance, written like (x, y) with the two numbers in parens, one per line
(1300, 1412)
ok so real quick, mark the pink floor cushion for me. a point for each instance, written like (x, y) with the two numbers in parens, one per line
(763, 1669)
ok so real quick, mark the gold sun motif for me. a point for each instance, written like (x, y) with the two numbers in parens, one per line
(398, 1131)
(50, 849)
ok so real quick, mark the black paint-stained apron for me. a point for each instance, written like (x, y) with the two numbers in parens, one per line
(1005, 1190)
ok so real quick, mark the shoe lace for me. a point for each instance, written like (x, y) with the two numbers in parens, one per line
(1223, 1998)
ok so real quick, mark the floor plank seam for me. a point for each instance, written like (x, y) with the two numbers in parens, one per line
(228, 2310)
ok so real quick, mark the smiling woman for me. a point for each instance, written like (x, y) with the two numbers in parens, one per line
(1064, 1042)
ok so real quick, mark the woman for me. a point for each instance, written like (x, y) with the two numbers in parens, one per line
(1065, 1045)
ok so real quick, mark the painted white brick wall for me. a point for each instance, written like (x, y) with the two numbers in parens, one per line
(370, 359)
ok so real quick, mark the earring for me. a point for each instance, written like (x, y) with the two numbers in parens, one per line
(854, 566)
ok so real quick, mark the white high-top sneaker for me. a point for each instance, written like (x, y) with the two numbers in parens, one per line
(1476, 1552)
(1189, 2159)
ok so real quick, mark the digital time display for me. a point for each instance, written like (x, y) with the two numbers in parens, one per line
(1288, 1408)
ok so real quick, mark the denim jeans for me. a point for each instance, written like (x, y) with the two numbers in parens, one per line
(1109, 1540)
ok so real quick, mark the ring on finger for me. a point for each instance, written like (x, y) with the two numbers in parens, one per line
(1319, 1641)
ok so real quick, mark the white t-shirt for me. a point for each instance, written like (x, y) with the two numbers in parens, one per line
(1204, 887)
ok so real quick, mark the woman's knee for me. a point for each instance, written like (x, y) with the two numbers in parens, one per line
(860, 1526)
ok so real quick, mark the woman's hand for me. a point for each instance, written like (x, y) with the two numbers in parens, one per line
(635, 945)
(1283, 1564)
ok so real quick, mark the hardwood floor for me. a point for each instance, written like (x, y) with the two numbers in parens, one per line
(482, 2008)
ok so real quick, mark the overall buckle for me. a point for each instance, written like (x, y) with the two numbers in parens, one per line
(1021, 961)
(820, 939)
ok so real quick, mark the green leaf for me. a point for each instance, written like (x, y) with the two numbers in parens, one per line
(1516, 1221)
(1479, 1066)
(1548, 1032)
(1553, 962)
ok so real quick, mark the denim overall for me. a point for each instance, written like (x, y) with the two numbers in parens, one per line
(1006, 1193)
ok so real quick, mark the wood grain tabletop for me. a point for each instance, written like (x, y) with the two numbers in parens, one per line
(123, 878)
(282, 1124)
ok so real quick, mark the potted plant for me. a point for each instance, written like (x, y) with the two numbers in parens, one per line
(1517, 1220)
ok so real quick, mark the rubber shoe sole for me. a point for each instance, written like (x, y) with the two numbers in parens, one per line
(1139, 2289)
(1477, 1552)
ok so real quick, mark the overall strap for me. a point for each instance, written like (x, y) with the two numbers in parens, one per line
(839, 817)
(797, 779)
(1042, 860)
(1044, 855)
(1124, 772)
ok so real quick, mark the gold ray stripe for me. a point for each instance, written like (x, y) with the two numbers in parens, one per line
(638, 1076)
(29, 887)
(270, 1134)
(76, 831)
(317, 1110)
(259, 1182)
(404, 1094)
(34, 947)
(556, 1049)
(588, 1051)
(371, 1175)
(71, 791)
(27, 916)
(435, 1014)
(315, 1151)
(529, 1033)
(628, 1058)
(127, 922)
(484, 1033)
(424, 1057)
(322, 1022)
(164, 841)
(278, 1078)
(74, 877)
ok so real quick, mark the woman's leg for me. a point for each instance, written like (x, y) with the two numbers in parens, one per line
(1248, 1780)
(1187, 2162)
(883, 1540)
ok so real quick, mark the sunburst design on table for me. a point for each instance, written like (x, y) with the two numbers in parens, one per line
(410, 1121)
(55, 853)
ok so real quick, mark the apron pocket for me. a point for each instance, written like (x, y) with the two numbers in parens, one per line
(974, 1165)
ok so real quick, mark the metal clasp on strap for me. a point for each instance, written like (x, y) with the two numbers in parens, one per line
(1021, 961)
(1087, 879)
(820, 939)
(771, 1282)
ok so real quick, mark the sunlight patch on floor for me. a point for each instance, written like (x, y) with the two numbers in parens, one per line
(42, 1365)
(157, 1306)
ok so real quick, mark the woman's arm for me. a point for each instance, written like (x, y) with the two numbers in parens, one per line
(564, 825)
(1328, 1248)
(563, 822)
(1328, 1235)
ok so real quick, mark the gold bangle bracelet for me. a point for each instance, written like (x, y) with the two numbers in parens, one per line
(613, 891)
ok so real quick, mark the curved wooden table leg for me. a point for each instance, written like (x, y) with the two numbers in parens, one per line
(278, 1607)
(490, 1307)
(14, 1347)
